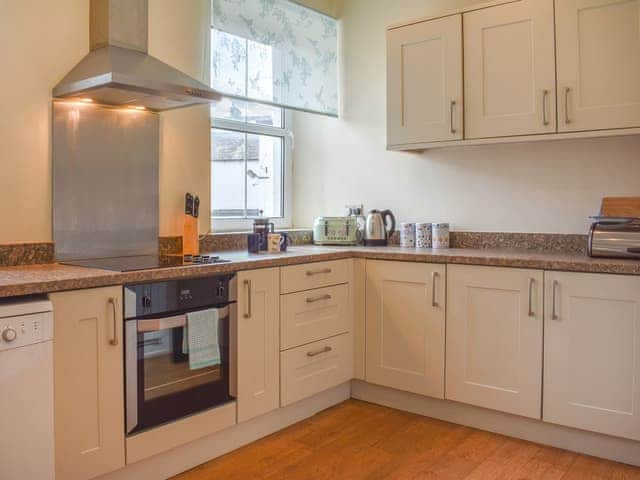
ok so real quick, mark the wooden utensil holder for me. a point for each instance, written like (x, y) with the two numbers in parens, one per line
(190, 236)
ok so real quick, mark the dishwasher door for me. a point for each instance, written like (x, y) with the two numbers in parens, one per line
(26, 397)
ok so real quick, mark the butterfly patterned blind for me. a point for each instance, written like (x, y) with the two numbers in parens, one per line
(275, 52)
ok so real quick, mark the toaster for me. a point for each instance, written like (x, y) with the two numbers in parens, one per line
(615, 238)
(335, 231)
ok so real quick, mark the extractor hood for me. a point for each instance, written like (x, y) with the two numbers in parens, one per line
(118, 70)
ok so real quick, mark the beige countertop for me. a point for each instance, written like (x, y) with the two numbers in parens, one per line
(34, 279)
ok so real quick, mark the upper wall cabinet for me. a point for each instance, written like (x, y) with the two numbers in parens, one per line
(509, 70)
(532, 70)
(424, 82)
(598, 43)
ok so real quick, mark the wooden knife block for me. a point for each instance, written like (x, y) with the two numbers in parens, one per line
(190, 236)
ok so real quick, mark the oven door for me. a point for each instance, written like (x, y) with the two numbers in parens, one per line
(160, 384)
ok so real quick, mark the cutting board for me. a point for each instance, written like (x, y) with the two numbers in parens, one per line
(620, 207)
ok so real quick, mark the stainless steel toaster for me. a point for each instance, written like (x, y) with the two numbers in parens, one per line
(615, 238)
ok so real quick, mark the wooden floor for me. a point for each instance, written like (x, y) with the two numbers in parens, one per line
(358, 440)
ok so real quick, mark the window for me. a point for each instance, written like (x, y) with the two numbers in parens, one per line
(250, 142)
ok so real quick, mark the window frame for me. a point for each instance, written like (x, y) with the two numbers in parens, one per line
(242, 224)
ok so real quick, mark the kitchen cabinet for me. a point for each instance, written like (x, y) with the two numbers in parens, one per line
(258, 342)
(88, 383)
(318, 366)
(424, 82)
(598, 56)
(592, 352)
(509, 70)
(405, 326)
(494, 338)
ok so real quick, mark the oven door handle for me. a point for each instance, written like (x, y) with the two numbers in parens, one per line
(176, 321)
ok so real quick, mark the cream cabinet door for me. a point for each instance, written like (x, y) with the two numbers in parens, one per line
(88, 383)
(258, 343)
(494, 338)
(598, 53)
(592, 352)
(509, 70)
(424, 82)
(405, 326)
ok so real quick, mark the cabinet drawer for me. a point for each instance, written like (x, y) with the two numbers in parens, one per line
(313, 368)
(313, 275)
(313, 315)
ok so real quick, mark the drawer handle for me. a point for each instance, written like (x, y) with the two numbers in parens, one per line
(434, 277)
(319, 299)
(545, 120)
(247, 284)
(319, 352)
(554, 289)
(567, 118)
(114, 338)
(531, 312)
(452, 106)
(311, 273)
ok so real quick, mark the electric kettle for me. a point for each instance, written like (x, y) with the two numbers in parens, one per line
(377, 230)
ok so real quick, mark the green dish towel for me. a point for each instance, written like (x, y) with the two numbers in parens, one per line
(202, 339)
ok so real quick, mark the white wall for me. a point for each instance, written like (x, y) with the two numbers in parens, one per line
(535, 187)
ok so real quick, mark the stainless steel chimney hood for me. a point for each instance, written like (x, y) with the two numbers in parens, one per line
(118, 70)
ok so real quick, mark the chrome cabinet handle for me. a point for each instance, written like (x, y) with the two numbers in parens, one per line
(567, 91)
(531, 312)
(451, 108)
(554, 313)
(311, 273)
(545, 120)
(247, 284)
(318, 299)
(114, 337)
(434, 276)
(319, 352)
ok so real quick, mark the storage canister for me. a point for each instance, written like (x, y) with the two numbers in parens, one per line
(407, 234)
(440, 235)
(423, 235)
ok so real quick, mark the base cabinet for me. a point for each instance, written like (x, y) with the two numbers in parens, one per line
(592, 352)
(405, 326)
(494, 338)
(88, 383)
(258, 351)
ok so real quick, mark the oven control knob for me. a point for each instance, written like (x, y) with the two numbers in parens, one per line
(146, 302)
(9, 334)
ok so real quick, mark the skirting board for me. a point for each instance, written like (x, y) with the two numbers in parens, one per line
(580, 441)
(185, 457)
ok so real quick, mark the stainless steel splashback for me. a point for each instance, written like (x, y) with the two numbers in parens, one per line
(105, 181)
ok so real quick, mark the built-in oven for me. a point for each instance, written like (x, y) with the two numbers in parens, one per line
(177, 348)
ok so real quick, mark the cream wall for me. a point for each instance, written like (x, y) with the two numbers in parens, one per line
(41, 42)
(535, 187)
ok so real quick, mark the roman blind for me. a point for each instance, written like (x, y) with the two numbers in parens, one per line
(276, 52)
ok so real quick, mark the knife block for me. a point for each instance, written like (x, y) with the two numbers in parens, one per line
(190, 236)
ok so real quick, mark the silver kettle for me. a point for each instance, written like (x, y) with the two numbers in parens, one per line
(379, 227)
